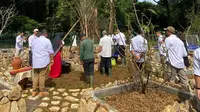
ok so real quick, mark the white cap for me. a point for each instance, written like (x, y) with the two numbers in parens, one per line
(35, 30)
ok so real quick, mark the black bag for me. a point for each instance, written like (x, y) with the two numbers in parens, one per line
(66, 67)
(186, 61)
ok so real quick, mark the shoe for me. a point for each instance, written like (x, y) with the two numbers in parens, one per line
(34, 93)
(43, 94)
(87, 79)
(109, 72)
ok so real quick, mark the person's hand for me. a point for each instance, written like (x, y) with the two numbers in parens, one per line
(63, 43)
(198, 93)
(52, 61)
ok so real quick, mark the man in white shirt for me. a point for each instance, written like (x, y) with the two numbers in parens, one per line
(175, 53)
(197, 70)
(105, 48)
(42, 59)
(161, 47)
(121, 43)
(30, 41)
(138, 48)
(20, 39)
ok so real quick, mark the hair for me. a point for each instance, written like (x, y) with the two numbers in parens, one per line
(140, 31)
(104, 32)
(180, 35)
(44, 32)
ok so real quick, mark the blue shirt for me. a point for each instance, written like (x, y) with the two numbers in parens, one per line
(41, 50)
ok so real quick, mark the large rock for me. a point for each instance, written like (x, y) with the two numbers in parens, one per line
(5, 92)
(15, 94)
(72, 99)
(1, 95)
(102, 109)
(22, 105)
(14, 107)
(4, 100)
(38, 110)
(5, 107)
(89, 106)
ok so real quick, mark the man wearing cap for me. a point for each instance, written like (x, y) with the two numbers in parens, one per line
(30, 41)
(161, 46)
(105, 48)
(87, 58)
(20, 39)
(197, 70)
(175, 53)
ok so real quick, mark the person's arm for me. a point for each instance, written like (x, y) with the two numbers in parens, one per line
(196, 67)
(100, 46)
(184, 51)
(19, 39)
(81, 51)
(50, 51)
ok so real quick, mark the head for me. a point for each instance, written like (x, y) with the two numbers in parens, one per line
(82, 37)
(158, 33)
(169, 30)
(181, 35)
(118, 31)
(44, 33)
(22, 33)
(35, 31)
(104, 32)
(140, 32)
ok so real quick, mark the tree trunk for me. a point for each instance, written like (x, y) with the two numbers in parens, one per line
(110, 30)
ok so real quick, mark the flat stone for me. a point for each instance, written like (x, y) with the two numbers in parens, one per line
(45, 99)
(64, 109)
(91, 105)
(33, 98)
(102, 109)
(15, 94)
(1, 95)
(38, 110)
(43, 104)
(5, 107)
(24, 95)
(65, 104)
(71, 98)
(51, 89)
(57, 97)
(65, 94)
(54, 108)
(75, 94)
(5, 92)
(4, 100)
(25, 91)
(31, 90)
(14, 107)
(109, 84)
(61, 90)
(55, 102)
(22, 105)
(74, 90)
(56, 93)
(97, 88)
(74, 106)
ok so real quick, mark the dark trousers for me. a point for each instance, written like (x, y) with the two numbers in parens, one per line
(139, 65)
(88, 66)
(106, 62)
(122, 51)
(30, 58)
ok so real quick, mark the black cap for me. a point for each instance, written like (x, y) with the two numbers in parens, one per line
(82, 35)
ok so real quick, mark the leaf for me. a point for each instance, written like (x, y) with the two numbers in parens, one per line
(152, 11)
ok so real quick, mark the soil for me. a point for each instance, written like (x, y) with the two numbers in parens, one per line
(75, 80)
(152, 101)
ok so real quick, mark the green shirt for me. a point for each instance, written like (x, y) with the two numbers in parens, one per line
(86, 49)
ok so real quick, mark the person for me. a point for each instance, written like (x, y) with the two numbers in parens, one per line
(182, 37)
(105, 48)
(87, 58)
(121, 43)
(138, 48)
(42, 58)
(161, 46)
(56, 68)
(196, 66)
(30, 41)
(20, 39)
(175, 53)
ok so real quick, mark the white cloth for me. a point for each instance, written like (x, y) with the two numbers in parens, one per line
(41, 50)
(175, 51)
(196, 62)
(161, 46)
(74, 41)
(106, 44)
(30, 40)
(120, 39)
(139, 45)
(19, 42)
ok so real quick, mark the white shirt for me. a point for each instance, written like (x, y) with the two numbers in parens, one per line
(139, 45)
(120, 38)
(106, 44)
(31, 39)
(196, 61)
(175, 51)
(161, 46)
(41, 50)
(19, 42)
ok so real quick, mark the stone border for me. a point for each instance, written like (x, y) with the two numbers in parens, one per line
(7, 85)
(97, 94)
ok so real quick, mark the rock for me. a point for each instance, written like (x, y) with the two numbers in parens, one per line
(38, 110)
(14, 107)
(61, 90)
(176, 106)
(82, 105)
(22, 105)
(5, 107)
(65, 94)
(74, 90)
(33, 98)
(55, 102)
(1, 95)
(74, 106)
(31, 90)
(51, 89)
(24, 95)
(56, 93)
(45, 99)
(102, 109)
(115, 83)
(25, 91)
(65, 104)
(75, 94)
(169, 108)
(15, 94)
(5, 92)
(57, 97)
(71, 98)
(109, 84)
(43, 104)
(4, 100)
(54, 108)
(64, 109)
